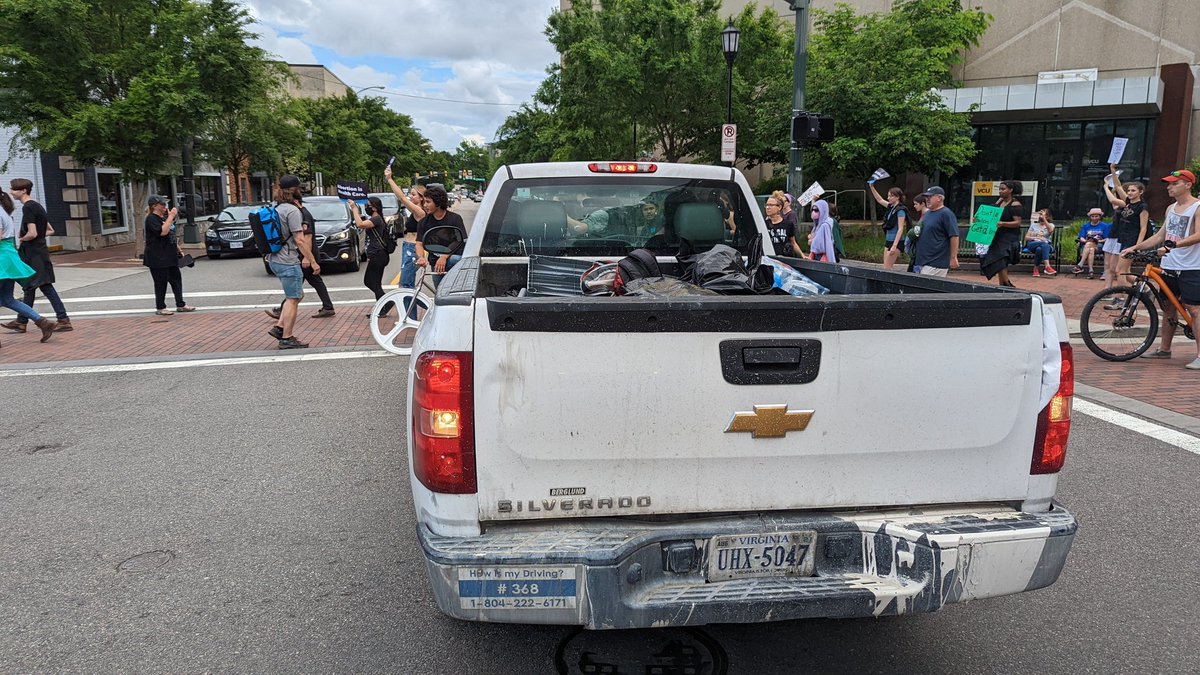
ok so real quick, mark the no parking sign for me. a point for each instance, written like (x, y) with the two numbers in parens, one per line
(728, 142)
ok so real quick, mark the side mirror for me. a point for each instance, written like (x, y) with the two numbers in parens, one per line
(212, 219)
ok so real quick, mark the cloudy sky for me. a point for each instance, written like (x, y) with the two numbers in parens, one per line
(457, 68)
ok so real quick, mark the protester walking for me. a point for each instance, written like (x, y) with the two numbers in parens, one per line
(783, 234)
(1037, 242)
(13, 269)
(439, 215)
(937, 246)
(314, 280)
(162, 254)
(414, 201)
(1131, 222)
(1007, 240)
(789, 216)
(895, 223)
(35, 227)
(286, 263)
(820, 240)
(380, 246)
(920, 206)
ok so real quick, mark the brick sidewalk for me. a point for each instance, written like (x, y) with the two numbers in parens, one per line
(1165, 384)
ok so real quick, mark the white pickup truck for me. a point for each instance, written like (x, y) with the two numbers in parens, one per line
(618, 462)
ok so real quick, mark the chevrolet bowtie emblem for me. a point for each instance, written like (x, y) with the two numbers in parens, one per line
(769, 421)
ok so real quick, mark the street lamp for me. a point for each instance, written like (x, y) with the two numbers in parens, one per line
(362, 89)
(308, 135)
(729, 45)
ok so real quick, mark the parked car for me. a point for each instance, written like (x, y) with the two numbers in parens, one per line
(339, 243)
(229, 232)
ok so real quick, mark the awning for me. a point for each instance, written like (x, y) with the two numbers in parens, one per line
(1115, 98)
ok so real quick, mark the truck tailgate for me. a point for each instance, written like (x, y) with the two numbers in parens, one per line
(602, 407)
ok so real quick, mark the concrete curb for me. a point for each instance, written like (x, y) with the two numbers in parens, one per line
(1167, 418)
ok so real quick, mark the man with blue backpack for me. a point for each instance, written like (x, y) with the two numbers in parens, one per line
(277, 227)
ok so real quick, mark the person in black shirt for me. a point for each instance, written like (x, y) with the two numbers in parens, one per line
(309, 231)
(436, 205)
(1131, 221)
(414, 201)
(1008, 234)
(379, 241)
(162, 256)
(35, 227)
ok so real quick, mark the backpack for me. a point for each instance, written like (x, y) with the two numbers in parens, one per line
(386, 239)
(639, 264)
(835, 233)
(270, 234)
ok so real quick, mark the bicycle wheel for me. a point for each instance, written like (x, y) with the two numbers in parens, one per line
(397, 335)
(1118, 325)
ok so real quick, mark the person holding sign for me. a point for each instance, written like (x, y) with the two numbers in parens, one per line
(1131, 221)
(1008, 233)
(380, 246)
(895, 223)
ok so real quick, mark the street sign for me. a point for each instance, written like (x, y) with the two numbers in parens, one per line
(728, 142)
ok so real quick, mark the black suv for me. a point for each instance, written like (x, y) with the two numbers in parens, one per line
(338, 242)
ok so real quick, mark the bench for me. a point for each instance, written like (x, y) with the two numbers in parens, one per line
(966, 249)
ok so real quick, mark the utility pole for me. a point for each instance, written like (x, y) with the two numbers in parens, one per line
(190, 234)
(795, 175)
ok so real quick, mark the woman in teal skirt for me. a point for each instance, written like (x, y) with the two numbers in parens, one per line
(13, 269)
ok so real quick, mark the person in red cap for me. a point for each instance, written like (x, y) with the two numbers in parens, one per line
(1179, 245)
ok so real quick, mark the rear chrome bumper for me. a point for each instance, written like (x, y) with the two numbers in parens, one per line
(618, 574)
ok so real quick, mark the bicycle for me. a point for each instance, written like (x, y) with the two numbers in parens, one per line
(416, 301)
(1121, 323)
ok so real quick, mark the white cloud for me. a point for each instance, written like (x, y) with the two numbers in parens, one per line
(495, 53)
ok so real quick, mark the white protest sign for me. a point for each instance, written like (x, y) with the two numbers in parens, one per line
(728, 142)
(880, 174)
(1109, 179)
(815, 190)
(1118, 149)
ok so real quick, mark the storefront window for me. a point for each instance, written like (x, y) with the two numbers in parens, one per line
(208, 195)
(112, 202)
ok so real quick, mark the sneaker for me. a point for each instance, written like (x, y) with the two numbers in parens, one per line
(1035, 272)
(292, 343)
(276, 332)
(1115, 304)
(1194, 365)
(1091, 274)
(1050, 271)
(323, 312)
(1157, 354)
(185, 308)
(1077, 270)
(164, 312)
(273, 313)
(63, 326)
(14, 325)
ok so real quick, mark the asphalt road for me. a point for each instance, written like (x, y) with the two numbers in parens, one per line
(257, 518)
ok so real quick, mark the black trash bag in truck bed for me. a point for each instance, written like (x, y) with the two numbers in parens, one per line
(721, 269)
(663, 287)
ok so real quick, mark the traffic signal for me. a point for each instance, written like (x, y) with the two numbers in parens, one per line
(811, 129)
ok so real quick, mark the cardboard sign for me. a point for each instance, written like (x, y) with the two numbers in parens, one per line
(880, 174)
(984, 226)
(1118, 149)
(352, 191)
(808, 196)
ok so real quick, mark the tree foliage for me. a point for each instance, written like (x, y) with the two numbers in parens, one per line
(877, 74)
(353, 138)
(473, 157)
(640, 76)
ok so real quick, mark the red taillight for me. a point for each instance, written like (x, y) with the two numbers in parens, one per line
(443, 429)
(622, 167)
(1054, 422)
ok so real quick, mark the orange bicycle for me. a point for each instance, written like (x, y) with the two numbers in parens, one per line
(1120, 323)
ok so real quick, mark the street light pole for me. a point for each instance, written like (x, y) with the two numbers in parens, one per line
(362, 89)
(729, 45)
(795, 183)
(308, 135)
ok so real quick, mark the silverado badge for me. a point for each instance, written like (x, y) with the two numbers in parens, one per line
(769, 421)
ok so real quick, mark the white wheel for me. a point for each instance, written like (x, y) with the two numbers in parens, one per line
(397, 337)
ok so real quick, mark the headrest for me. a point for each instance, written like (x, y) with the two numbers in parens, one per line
(542, 220)
(699, 223)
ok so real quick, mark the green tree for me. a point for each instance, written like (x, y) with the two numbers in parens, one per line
(473, 157)
(642, 75)
(353, 138)
(120, 82)
(876, 74)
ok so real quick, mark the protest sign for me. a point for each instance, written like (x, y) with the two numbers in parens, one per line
(1118, 149)
(984, 226)
(879, 174)
(1108, 180)
(815, 190)
(353, 191)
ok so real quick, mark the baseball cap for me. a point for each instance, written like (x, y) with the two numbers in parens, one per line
(1182, 174)
(935, 190)
(155, 200)
(289, 181)
(1095, 212)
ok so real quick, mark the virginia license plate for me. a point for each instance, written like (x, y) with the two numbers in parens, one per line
(770, 554)
(235, 244)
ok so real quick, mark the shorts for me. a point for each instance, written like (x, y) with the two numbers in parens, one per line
(930, 271)
(1185, 284)
(1111, 245)
(291, 277)
(887, 245)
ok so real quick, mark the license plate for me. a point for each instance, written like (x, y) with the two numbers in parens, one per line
(235, 244)
(770, 554)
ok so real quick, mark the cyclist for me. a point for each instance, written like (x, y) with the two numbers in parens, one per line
(1179, 245)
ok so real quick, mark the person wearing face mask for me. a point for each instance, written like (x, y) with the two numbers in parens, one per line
(380, 246)
(162, 256)
(820, 240)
